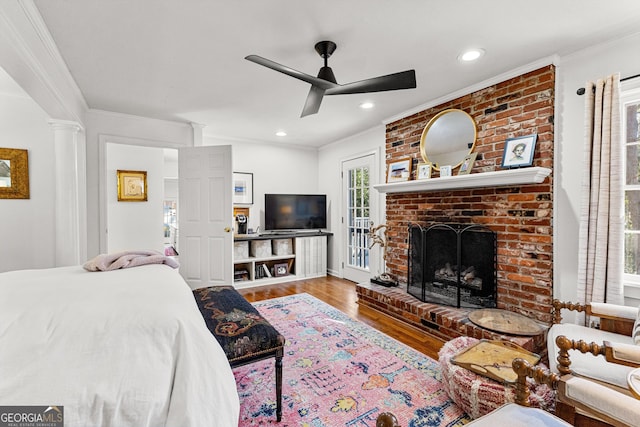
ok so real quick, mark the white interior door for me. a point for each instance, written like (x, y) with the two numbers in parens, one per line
(205, 215)
(357, 177)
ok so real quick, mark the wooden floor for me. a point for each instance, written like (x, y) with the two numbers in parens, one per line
(341, 294)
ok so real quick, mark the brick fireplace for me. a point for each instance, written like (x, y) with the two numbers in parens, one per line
(521, 216)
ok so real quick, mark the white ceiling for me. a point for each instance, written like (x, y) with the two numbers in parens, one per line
(184, 59)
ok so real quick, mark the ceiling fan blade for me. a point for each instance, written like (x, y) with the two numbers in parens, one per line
(314, 99)
(401, 80)
(291, 72)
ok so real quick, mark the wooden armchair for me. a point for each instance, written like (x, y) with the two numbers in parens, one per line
(591, 389)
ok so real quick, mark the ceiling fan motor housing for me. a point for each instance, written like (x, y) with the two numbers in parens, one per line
(326, 73)
(325, 48)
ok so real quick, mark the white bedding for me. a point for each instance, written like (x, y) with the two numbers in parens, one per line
(119, 348)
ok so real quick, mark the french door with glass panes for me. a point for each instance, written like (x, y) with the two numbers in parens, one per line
(357, 178)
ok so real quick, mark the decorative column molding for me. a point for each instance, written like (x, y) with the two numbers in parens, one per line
(197, 134)
(70, 185)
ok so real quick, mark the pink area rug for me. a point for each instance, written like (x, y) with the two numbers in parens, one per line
(340, 372)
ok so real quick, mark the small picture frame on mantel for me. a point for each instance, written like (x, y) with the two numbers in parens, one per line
(424, 171)
(518, 152)
(400, 170)
(445, 171)
(467, 164)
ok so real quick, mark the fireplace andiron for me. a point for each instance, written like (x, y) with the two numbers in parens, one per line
(384, 279)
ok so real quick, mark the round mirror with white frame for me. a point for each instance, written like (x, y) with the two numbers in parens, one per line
(448, 138)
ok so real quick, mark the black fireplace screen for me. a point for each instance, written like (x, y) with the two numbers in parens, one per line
(453, 264)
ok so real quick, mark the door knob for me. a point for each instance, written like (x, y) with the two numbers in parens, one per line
(227, 229)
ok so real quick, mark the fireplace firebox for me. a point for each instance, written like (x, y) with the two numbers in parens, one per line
(453, 264)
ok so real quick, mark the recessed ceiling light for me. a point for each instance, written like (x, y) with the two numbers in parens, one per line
(471, 55)
(281, 133)
(367, 105)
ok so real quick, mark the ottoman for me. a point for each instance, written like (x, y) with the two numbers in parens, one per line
(478, 395)
(244, 335)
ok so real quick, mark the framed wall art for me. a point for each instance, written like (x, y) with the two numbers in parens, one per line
(132, 186)
(467, 164)
(445, 170)
(242, 188)
(14, 173)
(400, 170)
(518, 152)
(424, 171)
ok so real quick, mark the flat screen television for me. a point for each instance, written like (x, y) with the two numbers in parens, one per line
(295, 211)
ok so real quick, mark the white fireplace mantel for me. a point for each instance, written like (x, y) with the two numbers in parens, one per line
(503, 178)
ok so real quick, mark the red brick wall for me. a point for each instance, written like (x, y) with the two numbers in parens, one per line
(521, 216)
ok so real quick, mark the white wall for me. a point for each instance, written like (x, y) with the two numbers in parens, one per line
(27, 226)
(135, 225)
(572, 73)
(106, 127)
(275, 168)
(329, 168)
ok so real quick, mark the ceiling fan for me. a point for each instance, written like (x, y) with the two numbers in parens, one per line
(326, 84)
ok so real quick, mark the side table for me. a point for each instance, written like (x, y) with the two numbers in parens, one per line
(478, 395)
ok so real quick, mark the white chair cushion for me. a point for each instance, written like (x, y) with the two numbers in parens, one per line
(618, 406)
(588, 365)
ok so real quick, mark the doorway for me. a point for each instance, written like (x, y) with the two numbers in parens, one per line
(358, 174)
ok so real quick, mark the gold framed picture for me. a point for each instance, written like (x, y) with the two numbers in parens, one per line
(424, 171)
(400, 170)
(467, 164)
(14, 173)
(132, 186)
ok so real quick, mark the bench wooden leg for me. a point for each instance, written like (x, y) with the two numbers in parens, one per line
(279, 355)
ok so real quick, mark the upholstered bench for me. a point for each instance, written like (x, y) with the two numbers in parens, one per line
(244, 335)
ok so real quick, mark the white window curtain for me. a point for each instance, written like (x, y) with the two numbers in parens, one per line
(602, 214)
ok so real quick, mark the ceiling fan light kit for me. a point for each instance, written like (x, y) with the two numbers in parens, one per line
(326, 84)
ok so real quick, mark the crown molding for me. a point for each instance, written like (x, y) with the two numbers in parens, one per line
(35, 63)
(221, 139)
(125, 116)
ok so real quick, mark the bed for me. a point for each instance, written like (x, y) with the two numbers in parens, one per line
(121, 348)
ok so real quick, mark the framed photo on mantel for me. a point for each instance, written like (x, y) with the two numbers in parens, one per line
(518, 152)
(467, 164)
(400, 170)
(424, 171)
